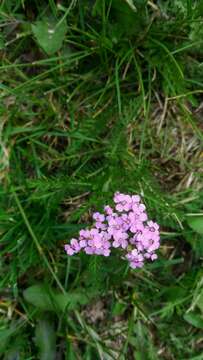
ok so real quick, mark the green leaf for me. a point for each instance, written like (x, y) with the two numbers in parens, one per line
(41, 297)
(71, 300)
(194, 320)
(196, 223)
(47, 299)
(49, 34)
(45, 339)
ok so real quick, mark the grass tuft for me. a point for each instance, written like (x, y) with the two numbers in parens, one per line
(99, 96)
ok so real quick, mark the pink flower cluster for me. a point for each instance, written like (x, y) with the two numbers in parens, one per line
(125, 226)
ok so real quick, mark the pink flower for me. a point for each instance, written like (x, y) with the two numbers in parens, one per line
(154, 257)
(82, 243)
(106, 252)
(124, 226)
(114, 224)
(120, 243)
(69, 250)
(75, 245)
(135, 199)
(98, 217)
(126, 222)
(123, 202)
(89, 250)
(100, 225)
(108, 210)
(153, 226)
(135, 258)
